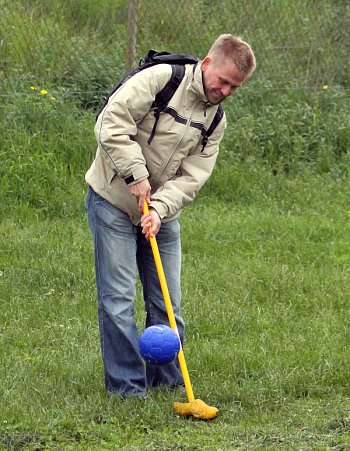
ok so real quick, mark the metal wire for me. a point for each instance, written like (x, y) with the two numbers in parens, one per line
(66, 44)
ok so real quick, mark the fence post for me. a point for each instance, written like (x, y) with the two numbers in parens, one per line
(131, 34)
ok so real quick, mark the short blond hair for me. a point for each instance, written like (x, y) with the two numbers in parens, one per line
(235, 49)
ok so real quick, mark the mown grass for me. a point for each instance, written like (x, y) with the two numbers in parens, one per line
(265, 288)
(266, 251)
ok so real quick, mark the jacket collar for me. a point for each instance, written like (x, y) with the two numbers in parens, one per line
(197, 82)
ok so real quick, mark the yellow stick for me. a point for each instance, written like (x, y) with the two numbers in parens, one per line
(169, 309)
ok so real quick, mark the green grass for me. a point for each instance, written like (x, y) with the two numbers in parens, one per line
(265, 299)
(303, 424)
(266, 245)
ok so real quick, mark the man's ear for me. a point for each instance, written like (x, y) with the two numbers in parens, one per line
(205, 63)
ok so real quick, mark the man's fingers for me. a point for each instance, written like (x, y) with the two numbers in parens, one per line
(146, 224)
(150, 224)
(141, 191)
(141, 200)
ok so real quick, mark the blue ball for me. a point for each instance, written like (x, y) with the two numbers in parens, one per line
(159, 344)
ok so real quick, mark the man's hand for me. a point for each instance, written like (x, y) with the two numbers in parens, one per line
(141, 191)
(150, 224)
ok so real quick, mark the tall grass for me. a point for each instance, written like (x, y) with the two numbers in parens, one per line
(294, 111)
(296, 42)
(47, 145)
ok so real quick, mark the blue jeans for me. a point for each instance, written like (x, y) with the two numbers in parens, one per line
(120, 249)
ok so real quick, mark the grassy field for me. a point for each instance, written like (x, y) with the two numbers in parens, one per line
(266, 245)
(266, 306)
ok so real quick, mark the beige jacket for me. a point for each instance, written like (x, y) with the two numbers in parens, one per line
(174, 162)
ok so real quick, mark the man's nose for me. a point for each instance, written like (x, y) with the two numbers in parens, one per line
(226, 90)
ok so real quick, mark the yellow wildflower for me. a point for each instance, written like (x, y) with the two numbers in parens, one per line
(325, 87)
(53, 98)
(33, 88)
(43, 92)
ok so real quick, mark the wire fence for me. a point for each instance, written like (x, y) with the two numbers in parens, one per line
(81, 47)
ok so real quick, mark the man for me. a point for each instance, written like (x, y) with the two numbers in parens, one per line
(167, 172)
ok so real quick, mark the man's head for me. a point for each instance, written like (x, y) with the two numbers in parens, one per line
(229, 63)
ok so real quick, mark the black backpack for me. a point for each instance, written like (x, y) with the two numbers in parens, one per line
(177, 61)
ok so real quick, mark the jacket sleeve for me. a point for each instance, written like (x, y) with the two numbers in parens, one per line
(117, 124)
(194, 171)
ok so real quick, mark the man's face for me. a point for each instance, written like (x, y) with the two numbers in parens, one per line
(220, 80)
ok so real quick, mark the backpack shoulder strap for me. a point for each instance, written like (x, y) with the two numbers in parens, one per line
(164, 95)
(207, 133)
(217, 118)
